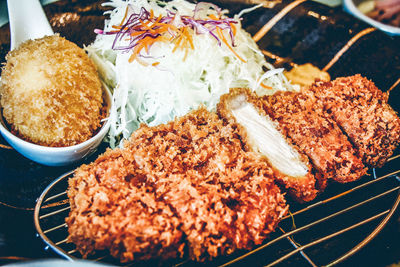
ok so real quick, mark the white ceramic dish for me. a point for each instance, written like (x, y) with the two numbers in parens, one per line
(58, 156)
(351, 7)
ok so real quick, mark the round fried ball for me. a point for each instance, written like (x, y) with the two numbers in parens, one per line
(51, 94)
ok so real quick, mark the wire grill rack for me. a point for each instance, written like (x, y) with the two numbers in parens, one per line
(322, 233)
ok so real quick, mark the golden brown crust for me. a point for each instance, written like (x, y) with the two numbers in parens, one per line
(301, 188)
(108, 211)
(199, 181)
(362, 112)
(51, 94)
(304, 121)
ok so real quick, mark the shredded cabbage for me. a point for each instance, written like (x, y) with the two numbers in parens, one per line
(171, 83)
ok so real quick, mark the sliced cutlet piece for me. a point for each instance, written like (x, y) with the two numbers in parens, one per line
(317, 136)
(362, 112)
(114, 208)
(183, 186)
(226, 197)
(264, 136)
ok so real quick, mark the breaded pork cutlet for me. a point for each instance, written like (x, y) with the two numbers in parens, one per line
(317, 136)
(183, 186)
(113, 208)
(362, 112)
(262, 135)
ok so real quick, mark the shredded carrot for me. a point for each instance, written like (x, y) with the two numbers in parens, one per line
(212, 16)
(221, 35)
(146, 43)
(185, 56)
(189, 38)
(266, 86)
(123, 19)
(142, 62)
(233, 28)
(183, 41)
(137, 33)
(179, 39)
(132, 58)
(150, 29)
(158, 19)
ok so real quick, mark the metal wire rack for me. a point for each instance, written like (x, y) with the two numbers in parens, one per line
(311, 235)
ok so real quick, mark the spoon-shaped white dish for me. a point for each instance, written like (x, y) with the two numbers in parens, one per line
(58, 156)
(27, 21)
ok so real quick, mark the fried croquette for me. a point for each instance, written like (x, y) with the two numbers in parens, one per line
(362, 112)
(264, 136)
(318, 136)
(51, 94)
(183, 186)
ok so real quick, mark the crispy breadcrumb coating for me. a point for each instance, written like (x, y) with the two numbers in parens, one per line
(51, 94)
(362, 112)
(301, 187)
(187, 183)
(202, 185)
(112, 210)
(318, 136)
